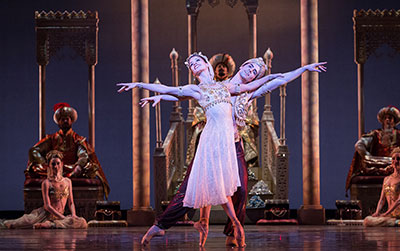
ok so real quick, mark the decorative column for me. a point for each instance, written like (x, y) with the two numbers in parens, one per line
(160, 173)
(360, 98)
(363, 26)
(176, 115)
(267, 113)
(91, 98)
(282, 129)
(159, 140)
(251, 9)
(282, 169)
(42, 101)
(311, 212)
(141, 212)
(91, 48)
(192, 7)
(42, 58)
(268, 169)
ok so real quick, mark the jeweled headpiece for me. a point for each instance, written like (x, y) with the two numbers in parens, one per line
(54, 154)
(200, 55)
(260, 62)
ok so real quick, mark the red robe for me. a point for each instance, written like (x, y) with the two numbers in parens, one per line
(76, 151)
(376, 148)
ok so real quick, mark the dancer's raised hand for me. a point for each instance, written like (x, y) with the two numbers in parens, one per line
(318, 67)
(127, 86)
(154, 99)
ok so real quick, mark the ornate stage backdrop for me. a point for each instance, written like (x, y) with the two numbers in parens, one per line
(220, 29)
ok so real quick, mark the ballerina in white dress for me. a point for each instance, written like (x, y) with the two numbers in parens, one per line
(240, 108)
(214, 177)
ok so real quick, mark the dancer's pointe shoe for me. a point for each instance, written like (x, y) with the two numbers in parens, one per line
(202, 227)
(231, 241)
(239, 235)
(153, 231)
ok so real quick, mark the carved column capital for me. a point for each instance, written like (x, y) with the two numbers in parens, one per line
(372, 29)
(193, 6)
(77, 30)
(251, 6)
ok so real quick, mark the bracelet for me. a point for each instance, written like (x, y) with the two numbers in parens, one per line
(237, 89)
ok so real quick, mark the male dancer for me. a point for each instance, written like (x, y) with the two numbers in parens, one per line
(249, 71)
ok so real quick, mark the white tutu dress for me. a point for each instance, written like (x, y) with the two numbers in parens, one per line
(214, 174)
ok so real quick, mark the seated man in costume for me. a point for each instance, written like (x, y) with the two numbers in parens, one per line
(56, 193)
(80, 160)
(390, 194)
(373, 149)
(224, 67)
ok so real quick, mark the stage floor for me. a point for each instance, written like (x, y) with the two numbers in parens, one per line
(186, 238)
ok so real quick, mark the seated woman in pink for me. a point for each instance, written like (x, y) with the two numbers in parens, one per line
(56, 192)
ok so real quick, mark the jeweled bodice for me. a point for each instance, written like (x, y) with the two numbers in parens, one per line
(59, 193)
(392, 191)
(213, 94)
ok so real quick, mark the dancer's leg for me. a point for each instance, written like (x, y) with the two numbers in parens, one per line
(238, 229)
(202, 224)
(173, 213)
(239, 198)
(151, 232)
(175, 210)
(28, 220)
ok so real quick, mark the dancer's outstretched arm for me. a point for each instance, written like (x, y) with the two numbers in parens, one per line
(192, 91)
(286, 78)
(394, 205)
(236, 89)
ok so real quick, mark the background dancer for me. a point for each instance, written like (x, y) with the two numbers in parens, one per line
(390, 194)
(56, 192)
